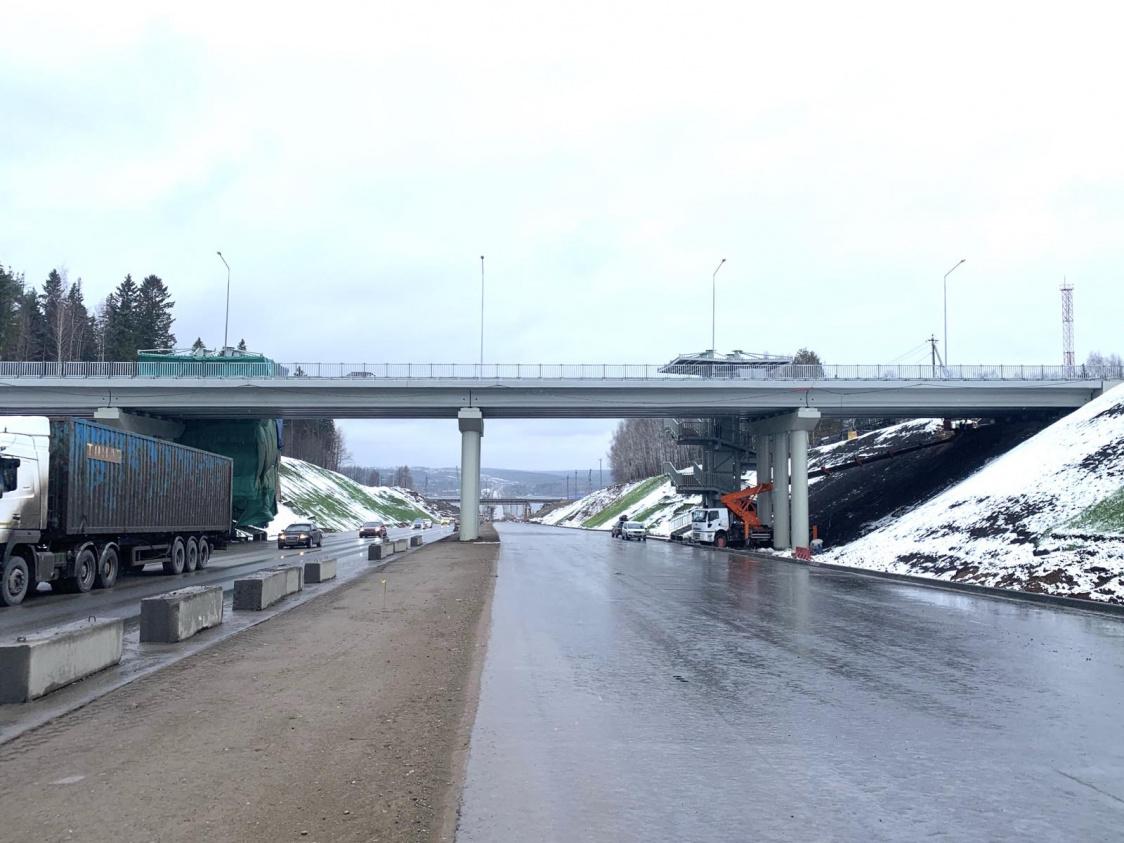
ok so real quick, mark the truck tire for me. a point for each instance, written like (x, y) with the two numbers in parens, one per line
(204, 553)
(175, 561)
(15, 582)
(85, 572)
(191, 555)
(109, 566)
(720, 540)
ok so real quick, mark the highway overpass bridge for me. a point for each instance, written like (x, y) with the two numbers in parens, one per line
(783, 404)
(539, 391)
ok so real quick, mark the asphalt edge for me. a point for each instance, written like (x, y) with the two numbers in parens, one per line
(454, 802)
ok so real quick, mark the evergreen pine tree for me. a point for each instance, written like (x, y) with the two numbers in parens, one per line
(198, 344)
(122, 322)
(154, 310)
(242, 344)
(80, 342)
(30, 342)
(11, 292)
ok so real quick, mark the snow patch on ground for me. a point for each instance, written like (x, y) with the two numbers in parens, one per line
(1013, 524)
(652, 501)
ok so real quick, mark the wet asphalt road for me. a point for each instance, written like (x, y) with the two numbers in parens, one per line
(661, 693)
(46, 609)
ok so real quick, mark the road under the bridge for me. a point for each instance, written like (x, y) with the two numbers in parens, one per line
(656, 692)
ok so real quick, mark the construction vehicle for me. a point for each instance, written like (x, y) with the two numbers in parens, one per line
(81, 503)
(735, 523)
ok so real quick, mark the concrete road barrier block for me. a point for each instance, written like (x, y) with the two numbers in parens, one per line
(379, 551)
(168, 618)
(37, 664)
(415, 541)
(320, 571)
(294, 577)
(400, 545)
(260, 590)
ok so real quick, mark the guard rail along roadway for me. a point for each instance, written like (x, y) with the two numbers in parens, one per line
(556, 371)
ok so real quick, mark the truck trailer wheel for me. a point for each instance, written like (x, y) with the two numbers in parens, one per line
(175, 561)
(720, 540)
(109, 565)
(191, 555)
(15, 581)
(85, 571)
(204, 552)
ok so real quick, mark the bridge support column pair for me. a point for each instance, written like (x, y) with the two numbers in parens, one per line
(471, 423)
(782, 459)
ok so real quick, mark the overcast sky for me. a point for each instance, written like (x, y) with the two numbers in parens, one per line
(354, 161)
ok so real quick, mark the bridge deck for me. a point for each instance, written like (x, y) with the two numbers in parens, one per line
(296, 397)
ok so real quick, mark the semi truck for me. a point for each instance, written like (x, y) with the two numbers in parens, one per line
(80, 503)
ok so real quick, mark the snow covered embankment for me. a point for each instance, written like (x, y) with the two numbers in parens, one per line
(653, 502)
(1048, 516)
(338, 503)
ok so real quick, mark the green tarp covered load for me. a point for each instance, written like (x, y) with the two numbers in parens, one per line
(253, 444)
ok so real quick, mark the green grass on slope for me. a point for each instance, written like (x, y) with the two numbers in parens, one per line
(1106, 516)
(641, 491)
(338, 508)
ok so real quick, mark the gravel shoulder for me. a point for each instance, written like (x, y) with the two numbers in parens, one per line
(342, 719)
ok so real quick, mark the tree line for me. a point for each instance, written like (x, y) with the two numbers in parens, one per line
(318, 441)
(54, 323)
(642, 448)
(367, 476)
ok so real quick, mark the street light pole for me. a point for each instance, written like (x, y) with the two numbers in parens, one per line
(481, 315)
(226, 327)
(714, 303)
(946, 361)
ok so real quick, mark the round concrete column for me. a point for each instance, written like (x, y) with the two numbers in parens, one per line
(780, 492)
(471, 423)
(798, 441)
(764, 445)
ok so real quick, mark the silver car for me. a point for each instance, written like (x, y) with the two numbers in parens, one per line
(633, 530)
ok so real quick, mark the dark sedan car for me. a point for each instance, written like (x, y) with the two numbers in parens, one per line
(373, 530)
(304, 533)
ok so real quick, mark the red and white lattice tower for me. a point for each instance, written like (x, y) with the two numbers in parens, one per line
(1067, 327)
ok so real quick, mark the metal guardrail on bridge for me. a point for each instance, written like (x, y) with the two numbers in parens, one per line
(555, 371)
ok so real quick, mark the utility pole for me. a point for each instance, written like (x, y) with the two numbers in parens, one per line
(567, 486)
(933, 352)
(600, 474)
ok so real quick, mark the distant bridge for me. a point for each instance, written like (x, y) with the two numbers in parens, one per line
(526, 500)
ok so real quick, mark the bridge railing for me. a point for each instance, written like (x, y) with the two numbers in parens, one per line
(359, 372)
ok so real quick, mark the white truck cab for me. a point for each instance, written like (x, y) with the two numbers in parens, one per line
(709, 524)
(24, 460)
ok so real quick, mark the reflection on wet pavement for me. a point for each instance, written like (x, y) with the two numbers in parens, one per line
(653, 692)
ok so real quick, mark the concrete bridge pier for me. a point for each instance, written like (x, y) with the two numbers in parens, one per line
(471, 423)
(780, 491)
(764, 448)
(784, 439)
